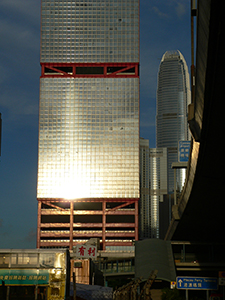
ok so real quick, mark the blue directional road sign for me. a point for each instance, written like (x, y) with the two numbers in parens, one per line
(197, 283)
(183, 151)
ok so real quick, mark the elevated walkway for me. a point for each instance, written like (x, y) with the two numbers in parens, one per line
(199, 215)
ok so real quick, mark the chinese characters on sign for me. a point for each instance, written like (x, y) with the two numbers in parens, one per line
(86, 251)
(25, 276)
(183, 151)
(197, 283)
(22, 277)
(191, 285)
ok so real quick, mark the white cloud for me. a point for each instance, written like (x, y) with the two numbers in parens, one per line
(180, 8)
(161, 14)
(166, 9)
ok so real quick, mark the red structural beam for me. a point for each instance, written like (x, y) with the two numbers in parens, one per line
(119, 243)
(72, 233)
(87, 234)
(109, 200)
(136, 221)
(119, 206)
(71, 226)
(39, 225)
(103, 224)
(88, 212)
(55, 206)
(83, 70)
(86, 225)
(65, 244)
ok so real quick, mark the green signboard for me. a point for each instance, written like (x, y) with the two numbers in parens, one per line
(24, 276)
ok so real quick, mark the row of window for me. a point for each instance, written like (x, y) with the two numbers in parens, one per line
(62, 22)
(87, 4)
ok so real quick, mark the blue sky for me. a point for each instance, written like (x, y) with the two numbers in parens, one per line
(164, 25)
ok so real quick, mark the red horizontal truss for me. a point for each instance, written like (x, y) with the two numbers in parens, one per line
(62, 70)
(87, 234)
(49, 212)
(50, 244)
(75, 229)
(119, 243)
(109, 200)
(86, 225)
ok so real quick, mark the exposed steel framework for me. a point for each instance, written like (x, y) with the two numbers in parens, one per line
(71, 232)
(112, 70)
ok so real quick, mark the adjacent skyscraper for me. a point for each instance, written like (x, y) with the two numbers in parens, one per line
(88, 153)
(153, 186)
(173, 98)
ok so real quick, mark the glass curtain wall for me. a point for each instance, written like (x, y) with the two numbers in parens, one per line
(173, 98)
(89, 127)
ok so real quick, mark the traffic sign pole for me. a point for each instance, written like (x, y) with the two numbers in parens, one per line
(187, 297)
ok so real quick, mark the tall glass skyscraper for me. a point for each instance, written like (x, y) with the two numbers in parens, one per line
(173, 98)
(153, 186)
(88, 152)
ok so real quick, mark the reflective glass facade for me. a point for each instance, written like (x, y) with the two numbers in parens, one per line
(158, 186)
(89, 126)
(88, 138)
(153, 184)
(173, 98)
(144, 202)
(90, 31)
